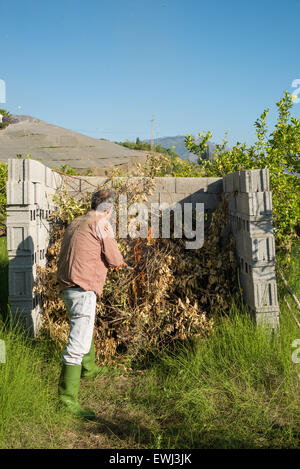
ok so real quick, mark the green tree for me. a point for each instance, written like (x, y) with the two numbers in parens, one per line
(279, 152)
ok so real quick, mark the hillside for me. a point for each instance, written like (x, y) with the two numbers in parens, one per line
(55, 146)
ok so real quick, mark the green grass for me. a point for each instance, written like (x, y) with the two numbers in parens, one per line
(292, 273)
(238, 388)
(29, 414)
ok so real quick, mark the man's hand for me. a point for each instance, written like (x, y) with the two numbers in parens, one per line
(124, 265)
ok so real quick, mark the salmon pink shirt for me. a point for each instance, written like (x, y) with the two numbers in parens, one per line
(88, 249)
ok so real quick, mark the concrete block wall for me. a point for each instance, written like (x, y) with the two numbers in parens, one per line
(30, 188)
(167, 190)
(250, 207)
(29, 200)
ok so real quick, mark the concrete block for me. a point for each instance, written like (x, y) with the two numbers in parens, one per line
(259, 295)
(15, 169)
(228, 183)
(14, 254)
(255, 272)
(165, 184)
(31, 170)
(172, 198)
(257, 251)
(214, 185)
(210, 200)
(232, 203)
(19, 214)
(255, 226)
(20, 305)
(260, 203)
(254, 180)
(188, 185)
(20, 281)
(39, 193)
(52, 178)
(20, 261)
(48, 176)
(21, 237)
(57, 180)
(236, 181)
(154, 198)
(253, 204)
(20, 193)
(225, 191)
(34, 171)
(263, 273)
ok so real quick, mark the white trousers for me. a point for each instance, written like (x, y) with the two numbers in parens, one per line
(81, 307)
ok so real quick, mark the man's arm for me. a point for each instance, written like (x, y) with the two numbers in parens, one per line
(109, 247)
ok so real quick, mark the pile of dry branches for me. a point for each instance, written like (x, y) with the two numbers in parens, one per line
(172, 294)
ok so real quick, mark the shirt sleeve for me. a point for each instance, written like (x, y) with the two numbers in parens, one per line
(109, 246)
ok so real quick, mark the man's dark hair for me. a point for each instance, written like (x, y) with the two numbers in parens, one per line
(102, 200)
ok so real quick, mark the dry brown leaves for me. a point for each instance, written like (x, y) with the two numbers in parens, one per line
(171, 295)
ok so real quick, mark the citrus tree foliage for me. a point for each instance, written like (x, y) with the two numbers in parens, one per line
(278, 151)
(170, 295)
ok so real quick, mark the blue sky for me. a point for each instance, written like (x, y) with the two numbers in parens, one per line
(103, 68)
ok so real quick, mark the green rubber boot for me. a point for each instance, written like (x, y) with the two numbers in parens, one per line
(89, 367)
(68, 391)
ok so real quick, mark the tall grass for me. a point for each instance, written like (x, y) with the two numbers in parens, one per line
(29, 416)
(237, 389)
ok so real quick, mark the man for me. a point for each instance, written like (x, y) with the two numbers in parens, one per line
(88, 250)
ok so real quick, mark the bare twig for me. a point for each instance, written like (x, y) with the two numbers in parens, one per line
(298, 323)
(77, 177)
(289, 290)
